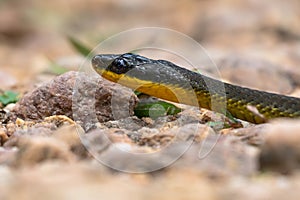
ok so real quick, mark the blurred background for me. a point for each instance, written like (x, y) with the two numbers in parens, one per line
(255, 43)
(35, 34)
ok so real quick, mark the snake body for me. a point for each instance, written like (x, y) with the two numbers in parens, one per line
(165, 80)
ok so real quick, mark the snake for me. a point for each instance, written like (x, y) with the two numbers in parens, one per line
(166, 80)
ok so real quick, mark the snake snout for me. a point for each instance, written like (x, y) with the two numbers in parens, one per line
(103, 60)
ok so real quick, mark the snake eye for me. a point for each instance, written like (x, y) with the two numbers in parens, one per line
(126, 62)
(120, 65)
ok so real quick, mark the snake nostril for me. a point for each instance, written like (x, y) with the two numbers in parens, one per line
(95, 60)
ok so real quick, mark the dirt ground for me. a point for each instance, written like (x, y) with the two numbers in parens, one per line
(55, 145)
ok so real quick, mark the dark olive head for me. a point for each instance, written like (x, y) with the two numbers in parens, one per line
(126, 62)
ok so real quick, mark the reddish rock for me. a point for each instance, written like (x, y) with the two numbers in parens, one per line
(85, 99)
